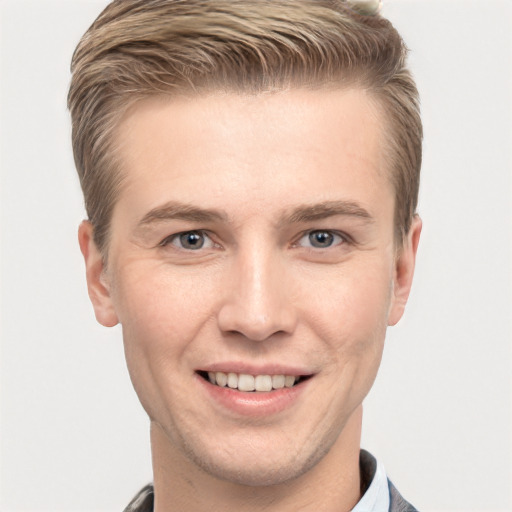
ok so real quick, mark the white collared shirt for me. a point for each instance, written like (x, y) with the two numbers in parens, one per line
(376, 497)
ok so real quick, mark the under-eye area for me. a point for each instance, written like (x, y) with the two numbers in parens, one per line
(250, 383)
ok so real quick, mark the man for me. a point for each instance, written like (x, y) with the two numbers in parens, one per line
(250, 172)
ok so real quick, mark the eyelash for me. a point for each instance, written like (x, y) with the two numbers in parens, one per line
(170, 239)
(342, 239)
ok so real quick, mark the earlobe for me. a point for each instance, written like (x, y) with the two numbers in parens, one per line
(404, 272)
(97, 286)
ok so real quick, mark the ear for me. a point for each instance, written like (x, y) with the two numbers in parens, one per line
(404, 272)
(97, 283)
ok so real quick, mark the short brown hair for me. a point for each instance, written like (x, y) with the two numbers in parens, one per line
(141, 48)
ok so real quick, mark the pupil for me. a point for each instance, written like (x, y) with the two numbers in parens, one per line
(321, 239)
(192, 240)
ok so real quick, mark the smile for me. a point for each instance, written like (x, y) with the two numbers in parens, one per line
(248, 383)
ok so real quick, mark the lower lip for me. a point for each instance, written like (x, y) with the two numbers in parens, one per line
(255, 403)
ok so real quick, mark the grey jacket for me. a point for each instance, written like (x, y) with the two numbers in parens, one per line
(143, 502)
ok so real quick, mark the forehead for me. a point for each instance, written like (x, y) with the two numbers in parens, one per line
(276, 148)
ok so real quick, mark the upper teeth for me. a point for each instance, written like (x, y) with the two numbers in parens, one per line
(244, 382)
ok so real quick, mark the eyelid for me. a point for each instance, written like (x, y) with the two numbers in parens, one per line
(168, 240)
(346, 239)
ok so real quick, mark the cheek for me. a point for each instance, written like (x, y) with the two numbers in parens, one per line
(157, 319)
(155, 304)
(160, 316)
(353, 301)
(350, 317)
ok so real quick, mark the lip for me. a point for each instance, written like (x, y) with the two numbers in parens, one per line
(255, 403)
(251, 369)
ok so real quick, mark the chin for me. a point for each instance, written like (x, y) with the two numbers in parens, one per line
(254, 469)
(253, 475)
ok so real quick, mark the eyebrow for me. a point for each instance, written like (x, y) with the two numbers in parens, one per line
(182, 211)
(308, 213)
(302, 213)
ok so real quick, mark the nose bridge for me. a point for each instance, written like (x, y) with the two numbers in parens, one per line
(256, 303)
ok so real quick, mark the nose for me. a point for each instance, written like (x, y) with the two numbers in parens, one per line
(256, 302)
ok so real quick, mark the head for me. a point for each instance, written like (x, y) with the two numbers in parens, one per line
(138, 49)
(250, 171)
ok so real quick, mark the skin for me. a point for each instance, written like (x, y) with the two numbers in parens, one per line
(271, 169)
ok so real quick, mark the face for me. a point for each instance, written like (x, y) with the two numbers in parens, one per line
(253, 268)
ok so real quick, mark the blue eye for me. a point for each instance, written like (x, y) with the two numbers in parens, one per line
(321, 239)
(189, 240)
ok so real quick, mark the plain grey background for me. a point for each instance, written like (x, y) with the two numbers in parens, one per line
(73, 436)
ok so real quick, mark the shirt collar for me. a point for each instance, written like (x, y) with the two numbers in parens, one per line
(376, 497)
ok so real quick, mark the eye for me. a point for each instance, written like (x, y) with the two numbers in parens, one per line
(189, 240)
(321, 239)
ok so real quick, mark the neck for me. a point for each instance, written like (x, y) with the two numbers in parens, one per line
(333, 484)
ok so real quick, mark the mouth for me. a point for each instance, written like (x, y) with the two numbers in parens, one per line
(252, 383)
